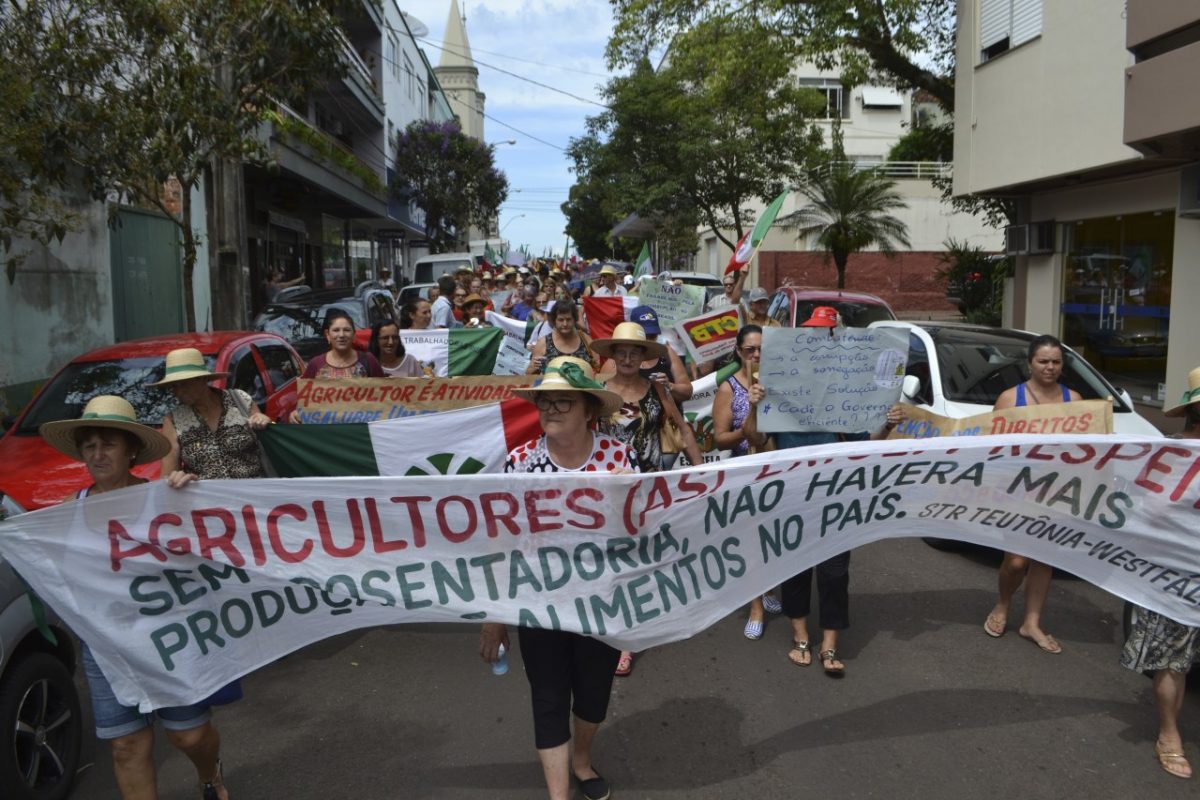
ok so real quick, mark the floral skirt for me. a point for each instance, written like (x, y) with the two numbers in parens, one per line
(1156, 642)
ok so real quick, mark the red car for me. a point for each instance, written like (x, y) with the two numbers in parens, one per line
(36, 475)
(792, 305)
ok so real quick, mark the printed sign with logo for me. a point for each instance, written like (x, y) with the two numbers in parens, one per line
(712, 335)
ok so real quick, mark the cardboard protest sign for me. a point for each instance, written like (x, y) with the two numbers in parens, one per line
(1083, 416)
(711, 335)
(839, 383)
(369, 399)
(513, 357)
(673, 304)
(179, 592)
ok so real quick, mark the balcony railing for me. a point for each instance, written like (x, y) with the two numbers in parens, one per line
(354, 61)
(925, 170)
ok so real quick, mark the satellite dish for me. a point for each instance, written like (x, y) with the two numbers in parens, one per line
(419, 29)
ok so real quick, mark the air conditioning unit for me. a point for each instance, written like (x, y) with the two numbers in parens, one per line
(1041, 237)
(1016, 240)
(1189, 191)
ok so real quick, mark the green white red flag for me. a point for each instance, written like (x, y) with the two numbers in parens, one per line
(748, 245)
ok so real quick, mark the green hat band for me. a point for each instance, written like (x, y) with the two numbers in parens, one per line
(186, 368)
(575, 376)
(110, 417)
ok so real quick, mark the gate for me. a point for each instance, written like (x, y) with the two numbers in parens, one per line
(147, 275)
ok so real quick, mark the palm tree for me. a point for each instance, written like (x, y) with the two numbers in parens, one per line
(852, 208)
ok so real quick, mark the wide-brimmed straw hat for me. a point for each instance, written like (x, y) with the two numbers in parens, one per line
(184, 364)
(105, 411)
(1190, 397)
(608, 269)
(629, 333)
(570, 374)
(822, 317)
(473, 298)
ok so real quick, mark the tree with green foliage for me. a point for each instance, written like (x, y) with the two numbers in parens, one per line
(127, 95)
(720, 124)
(851, 208)
(906, 43)
(451, 176)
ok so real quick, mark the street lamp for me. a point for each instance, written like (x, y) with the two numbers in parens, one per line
(510, 221)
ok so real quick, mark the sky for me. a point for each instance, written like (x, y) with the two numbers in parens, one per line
(565, 39)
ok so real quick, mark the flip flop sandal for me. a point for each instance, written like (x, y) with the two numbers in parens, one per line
(1178, 759)
(1048, 645)
(754, 629)
(803, 648)
(1001, 623)
(624, 666)
(831, 656)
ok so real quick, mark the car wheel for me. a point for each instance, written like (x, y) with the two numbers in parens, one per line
(40, 729)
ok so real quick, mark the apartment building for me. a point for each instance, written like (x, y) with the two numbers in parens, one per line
(1087, 113)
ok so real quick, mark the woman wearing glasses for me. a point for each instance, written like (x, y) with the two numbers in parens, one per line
(569, 674)
(735, 424)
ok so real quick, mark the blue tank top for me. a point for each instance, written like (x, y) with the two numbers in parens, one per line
(1021, 401)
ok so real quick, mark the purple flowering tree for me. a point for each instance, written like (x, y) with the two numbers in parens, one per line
(451, 177)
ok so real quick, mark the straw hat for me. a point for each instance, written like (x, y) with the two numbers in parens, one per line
(608, 269)
(1192, 395)
(105, 411)
(822, 317)
(184, 364)
(629, 333)
(473, 298)
(570, 374)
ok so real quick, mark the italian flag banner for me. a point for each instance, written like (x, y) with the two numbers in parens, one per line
(748, 244)
(460, 442)
(457, 351)
(178, 592)
(605, 313)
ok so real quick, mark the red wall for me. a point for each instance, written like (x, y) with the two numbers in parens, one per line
(907, 282)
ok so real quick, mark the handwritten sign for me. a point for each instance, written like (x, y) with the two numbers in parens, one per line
(1084, 416)
(673, 304)
(712, 335)
(369, 399)
(843, 382)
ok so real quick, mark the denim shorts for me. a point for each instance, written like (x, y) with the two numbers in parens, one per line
(114, 720)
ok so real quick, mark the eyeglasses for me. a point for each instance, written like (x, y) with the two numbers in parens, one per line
(728, 285)
(560, 406)
(752, 349)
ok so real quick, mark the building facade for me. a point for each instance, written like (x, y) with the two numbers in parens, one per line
(1087, 114)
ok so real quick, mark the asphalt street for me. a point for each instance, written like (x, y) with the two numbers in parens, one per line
(930, 707)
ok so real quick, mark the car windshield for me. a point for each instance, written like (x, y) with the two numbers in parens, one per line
(851, 314)
(295, 322)
(69, 392)
(977, 365)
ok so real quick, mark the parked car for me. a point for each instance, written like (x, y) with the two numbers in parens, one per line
(711, 283)
(413, 291)
(41, 726)
(958, 370)
(298, 317)
(792, 305)
(36, 475)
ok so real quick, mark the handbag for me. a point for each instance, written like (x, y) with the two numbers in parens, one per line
(241, 398)
(670, 438)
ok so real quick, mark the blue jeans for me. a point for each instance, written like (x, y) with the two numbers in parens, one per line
(114, 720)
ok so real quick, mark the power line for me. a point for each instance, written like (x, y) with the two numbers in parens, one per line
(531, 80)
(523, 133)
(522, 60)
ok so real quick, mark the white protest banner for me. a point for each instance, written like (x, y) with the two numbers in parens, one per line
(180, 591)
(712, 335)
(697, 410)
(1082, 416)
(839, 383)
(672, 304)
(513, 357)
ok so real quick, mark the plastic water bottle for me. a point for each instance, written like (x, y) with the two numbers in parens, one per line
(500, 665)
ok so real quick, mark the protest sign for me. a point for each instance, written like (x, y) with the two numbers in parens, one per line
(672, 304)
(178, 592)
(513, 356)
(1082, 416)
(712, 335)
(340, 401)
(839, 383)
(455, 351)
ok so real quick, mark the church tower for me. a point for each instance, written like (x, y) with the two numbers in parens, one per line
(459, 77)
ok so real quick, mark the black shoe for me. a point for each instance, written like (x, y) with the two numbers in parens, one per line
(594, 788)
(208, 791)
